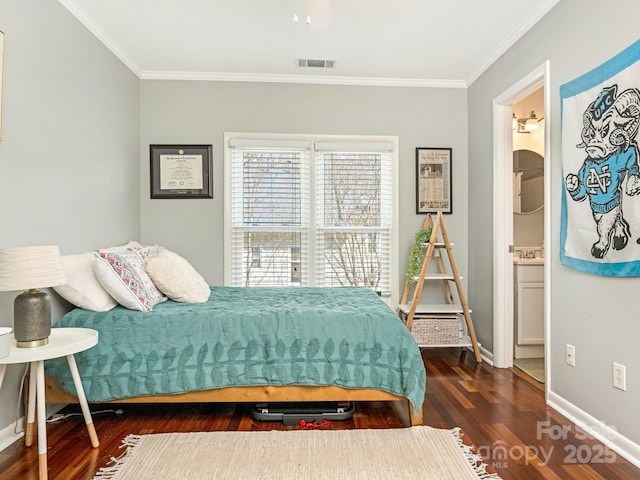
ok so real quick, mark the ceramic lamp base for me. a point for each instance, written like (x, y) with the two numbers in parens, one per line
(32, 319)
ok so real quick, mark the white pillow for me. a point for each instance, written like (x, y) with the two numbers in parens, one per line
(123, 276)
(83, 288)
(176, 278)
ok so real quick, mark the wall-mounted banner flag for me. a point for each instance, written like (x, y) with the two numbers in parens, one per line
(600, 222)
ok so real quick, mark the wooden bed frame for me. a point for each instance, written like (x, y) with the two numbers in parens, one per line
(293, 393)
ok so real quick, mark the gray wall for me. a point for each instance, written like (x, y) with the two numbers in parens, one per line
(200, 112)
(69, 171)
(598, 315)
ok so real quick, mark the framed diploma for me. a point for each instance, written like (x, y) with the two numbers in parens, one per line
(181, 171)
(433, 180)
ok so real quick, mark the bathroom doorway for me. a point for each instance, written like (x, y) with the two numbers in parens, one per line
(528, 234)
(503, 201)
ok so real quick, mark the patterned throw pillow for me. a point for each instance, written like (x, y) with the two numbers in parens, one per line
(123, 275)
(146, 251)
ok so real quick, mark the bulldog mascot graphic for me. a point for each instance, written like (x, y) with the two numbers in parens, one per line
(610, 126)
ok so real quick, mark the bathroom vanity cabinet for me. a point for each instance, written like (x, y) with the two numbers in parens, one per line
(529, 308)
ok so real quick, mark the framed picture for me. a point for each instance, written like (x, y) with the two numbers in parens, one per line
(433, 180)
(181, 171)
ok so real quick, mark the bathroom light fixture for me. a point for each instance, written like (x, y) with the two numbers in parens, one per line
(532, 122)
(527, 124)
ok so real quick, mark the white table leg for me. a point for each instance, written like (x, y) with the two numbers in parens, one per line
(83, 401)
(31, 406)
(42, 420)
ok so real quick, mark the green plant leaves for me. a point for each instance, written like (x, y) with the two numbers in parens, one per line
(416, 257)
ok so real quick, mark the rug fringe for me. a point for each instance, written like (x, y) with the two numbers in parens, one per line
(475, 460)
(109, 472)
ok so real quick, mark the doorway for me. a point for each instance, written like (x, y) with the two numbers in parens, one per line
(528, 234)
(503, 201)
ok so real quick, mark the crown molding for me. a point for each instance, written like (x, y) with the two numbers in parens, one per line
(513, 37)
(308, 79)
(84, 18)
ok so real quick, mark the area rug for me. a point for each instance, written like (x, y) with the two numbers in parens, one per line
(419, 452)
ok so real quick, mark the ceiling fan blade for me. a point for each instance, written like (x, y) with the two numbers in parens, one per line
(320, 13)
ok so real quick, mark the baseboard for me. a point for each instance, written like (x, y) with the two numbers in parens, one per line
(487, 356)
(8, 434)
(528, 351)
(597, 429)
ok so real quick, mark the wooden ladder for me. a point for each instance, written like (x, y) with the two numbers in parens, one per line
(409, 305)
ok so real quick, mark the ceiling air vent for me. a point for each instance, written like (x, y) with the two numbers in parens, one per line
(308, 63)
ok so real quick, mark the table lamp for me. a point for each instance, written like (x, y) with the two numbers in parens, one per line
(31, 268)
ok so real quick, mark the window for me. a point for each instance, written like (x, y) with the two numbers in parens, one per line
(256, 255)
(295, 266)
(309, 211)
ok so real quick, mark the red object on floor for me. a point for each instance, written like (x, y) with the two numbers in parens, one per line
(313, 425)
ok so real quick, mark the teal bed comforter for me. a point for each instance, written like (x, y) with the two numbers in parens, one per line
(347, 337)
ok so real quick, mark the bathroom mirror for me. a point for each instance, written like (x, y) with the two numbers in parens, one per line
(528, 181)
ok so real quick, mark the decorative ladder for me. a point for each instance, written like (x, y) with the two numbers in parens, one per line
(409, 305)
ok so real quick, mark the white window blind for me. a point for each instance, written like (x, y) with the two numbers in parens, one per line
(310, 217)
(353, 219)
(270, 205)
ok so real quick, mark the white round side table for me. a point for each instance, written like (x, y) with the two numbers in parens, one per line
(63, 342)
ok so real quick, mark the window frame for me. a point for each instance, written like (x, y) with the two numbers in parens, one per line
(312, 141)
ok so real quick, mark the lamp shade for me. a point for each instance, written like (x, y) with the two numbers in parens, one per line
(531, 125)
(23, 268)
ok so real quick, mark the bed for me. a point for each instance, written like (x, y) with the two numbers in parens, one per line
(248, 345)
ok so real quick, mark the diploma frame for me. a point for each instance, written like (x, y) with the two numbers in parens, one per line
(181, 171)
(433, 180)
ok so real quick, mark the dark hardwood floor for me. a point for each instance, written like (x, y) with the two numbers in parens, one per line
(501, 412)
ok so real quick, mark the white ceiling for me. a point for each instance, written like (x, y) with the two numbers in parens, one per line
(374, 42)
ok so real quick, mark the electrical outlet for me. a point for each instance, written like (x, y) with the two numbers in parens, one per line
(619, 376)
(571, 355)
